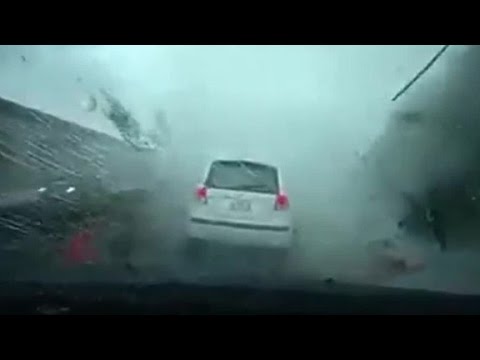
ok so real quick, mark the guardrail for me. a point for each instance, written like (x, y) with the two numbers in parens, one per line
(36, 147)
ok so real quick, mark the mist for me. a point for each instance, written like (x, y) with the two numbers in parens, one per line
(315, 111)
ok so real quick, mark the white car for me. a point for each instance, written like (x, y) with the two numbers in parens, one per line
(241, 203)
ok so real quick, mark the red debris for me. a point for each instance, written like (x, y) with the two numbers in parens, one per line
(81, 249)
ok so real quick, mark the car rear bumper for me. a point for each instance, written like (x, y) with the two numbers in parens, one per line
(275, 236)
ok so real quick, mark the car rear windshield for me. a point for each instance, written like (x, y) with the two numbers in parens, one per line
(243, 176)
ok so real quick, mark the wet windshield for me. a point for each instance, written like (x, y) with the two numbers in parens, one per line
(112, 156)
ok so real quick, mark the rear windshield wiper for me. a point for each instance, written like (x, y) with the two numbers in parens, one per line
(253, 187)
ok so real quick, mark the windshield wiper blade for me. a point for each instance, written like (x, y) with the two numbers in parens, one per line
(254, 187)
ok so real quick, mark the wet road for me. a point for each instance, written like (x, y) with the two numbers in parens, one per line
(325, 251)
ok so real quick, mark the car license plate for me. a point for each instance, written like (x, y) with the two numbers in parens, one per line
(240, 205)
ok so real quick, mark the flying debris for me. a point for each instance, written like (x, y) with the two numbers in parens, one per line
(396, 255)
(128, 126)
(409, 117)
(90, 104)
(421, 72)
(160, 134)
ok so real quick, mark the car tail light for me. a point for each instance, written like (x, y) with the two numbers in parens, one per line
(201, 193)
(281, 202)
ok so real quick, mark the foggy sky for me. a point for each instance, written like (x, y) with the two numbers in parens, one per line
(331, 98)
(308, 109)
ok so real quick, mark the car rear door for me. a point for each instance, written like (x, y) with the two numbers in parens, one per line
(242, 191)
